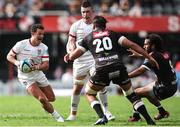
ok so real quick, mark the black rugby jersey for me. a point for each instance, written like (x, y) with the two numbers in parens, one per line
(166, 74)
(104, 47)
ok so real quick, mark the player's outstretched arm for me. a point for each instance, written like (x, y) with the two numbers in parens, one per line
(129, 44)
(140, 70)
(134, 53)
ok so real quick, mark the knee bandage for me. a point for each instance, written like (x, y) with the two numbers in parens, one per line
(128, 92)
(88, 90)
(103, 91)
(79, 82)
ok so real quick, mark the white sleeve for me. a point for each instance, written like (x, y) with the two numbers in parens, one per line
(17, 47)
(73, 30)
(45, 55)
(121, 39)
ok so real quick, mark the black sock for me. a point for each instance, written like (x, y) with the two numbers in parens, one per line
(144, 113)
(136, 114)
(161, 109)
(98, 109)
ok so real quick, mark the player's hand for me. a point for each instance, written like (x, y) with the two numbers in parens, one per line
(35, 67)
(133, 53)
(66, 58)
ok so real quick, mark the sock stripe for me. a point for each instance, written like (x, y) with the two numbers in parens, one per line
(138, 104)
(94, 103)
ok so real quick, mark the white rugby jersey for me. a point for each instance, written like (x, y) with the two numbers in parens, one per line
(23, 49)
(79, 30)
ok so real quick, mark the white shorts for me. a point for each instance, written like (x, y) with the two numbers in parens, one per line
(40, 79)
(83, 68)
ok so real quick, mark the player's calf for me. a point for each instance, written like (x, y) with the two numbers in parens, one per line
(138, 104)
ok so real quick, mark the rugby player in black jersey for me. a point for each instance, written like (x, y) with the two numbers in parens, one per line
(165, 85)
(105, 46)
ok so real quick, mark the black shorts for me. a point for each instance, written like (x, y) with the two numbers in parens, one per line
(116, 74)
(163, 92)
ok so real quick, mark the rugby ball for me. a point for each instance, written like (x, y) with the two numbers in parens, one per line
(25, 66)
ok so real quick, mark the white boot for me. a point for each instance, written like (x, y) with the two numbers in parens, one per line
(57, 116)
(109, 116)
(71, 118)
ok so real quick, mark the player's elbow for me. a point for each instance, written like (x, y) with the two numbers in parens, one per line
(8, 57)
(45, 66)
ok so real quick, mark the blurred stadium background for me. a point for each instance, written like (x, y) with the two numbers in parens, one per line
(134, 19)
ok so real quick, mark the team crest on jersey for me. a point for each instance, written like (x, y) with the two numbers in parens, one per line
(100, 34)
(39, 52)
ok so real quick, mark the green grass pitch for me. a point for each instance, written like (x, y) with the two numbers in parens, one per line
(26, 111)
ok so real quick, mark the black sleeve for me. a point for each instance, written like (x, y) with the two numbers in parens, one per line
(83, 44)
(147, 64)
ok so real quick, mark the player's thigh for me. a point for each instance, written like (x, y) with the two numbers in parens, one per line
(82, 69)
(35, 91)
(47, 90)
(77, 89)
(45, 87)
(145, 90)
(92, 89)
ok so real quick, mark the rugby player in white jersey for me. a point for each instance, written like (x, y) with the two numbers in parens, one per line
(35, 81)
(84, 65)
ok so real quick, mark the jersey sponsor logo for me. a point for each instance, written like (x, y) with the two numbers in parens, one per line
(39, 52)
(27, 50)
(100, 34)
(108, 58)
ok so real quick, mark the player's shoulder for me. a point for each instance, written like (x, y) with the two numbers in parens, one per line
(42, 45)
(22, 42)
(77, 23)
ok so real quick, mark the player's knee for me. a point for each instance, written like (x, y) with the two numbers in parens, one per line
(77, 89)
(131, 95)
(90, 91)
(43, 100)
(78, 81)
(138, 91)
(128, 92)
(103, 91)
(51, 99)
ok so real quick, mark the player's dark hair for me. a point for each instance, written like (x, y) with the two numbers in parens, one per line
(155, 40)
(34, 27)
(100, 22)
(86, 4)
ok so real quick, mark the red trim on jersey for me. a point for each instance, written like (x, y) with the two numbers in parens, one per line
(100, 34)
(72, 35)
(44, 56)
(13, 51)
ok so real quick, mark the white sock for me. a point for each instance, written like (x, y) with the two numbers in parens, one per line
(74, 102)
(102, 95)
(55, 114)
